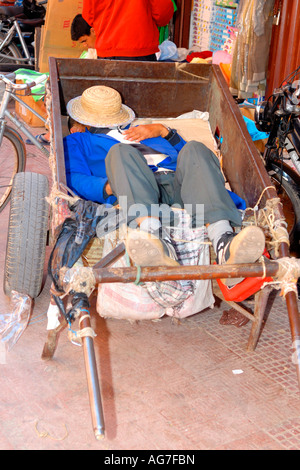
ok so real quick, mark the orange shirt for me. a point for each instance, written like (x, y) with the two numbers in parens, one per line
(127, 28)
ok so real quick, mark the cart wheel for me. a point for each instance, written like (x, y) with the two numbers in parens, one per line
(27, 234)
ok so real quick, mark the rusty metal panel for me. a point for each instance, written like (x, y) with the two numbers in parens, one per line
(150, 88)
(57, 100)
(241, 162)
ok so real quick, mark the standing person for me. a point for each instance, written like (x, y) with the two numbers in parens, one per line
(127, 30)
(83, 33)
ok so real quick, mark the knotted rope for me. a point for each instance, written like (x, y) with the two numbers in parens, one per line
(289, 268)
(79, 279)
(288, 274)
(286, 277)
(77, 336)
(277, 227)
(56, 193)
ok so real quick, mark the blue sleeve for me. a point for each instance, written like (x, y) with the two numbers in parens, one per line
(177, 141)
(78, 175)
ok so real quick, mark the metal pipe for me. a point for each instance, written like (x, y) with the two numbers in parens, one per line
(92, 378)
(90, 358)
(294, 318)
(165, 273)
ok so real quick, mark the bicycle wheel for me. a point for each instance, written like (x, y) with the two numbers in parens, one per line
(12, 161)
(289, 193)
(27, 235)
(10, 51)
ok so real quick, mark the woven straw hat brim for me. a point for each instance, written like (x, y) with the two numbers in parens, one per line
(76, 111)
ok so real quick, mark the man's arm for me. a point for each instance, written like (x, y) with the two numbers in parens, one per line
(79, 177)
(148, 131)
(145, 131)
(162, 11)
(88, 11)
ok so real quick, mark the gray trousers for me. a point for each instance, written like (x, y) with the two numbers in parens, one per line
(197, 185)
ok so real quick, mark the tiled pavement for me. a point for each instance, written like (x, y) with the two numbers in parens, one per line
(166, 385)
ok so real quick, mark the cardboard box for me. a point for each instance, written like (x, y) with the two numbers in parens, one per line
(56, 32)
(31, 119)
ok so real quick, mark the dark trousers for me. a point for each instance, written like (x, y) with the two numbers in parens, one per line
(142, 58)
(197, 185)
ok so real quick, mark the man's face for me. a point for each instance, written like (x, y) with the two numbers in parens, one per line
(88, 42)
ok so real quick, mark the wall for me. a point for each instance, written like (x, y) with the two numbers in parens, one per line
(284, 51)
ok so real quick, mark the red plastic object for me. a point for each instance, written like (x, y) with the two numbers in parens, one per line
(243, 289)
(201, 55)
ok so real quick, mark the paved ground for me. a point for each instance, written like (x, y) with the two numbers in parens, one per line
(166, 385)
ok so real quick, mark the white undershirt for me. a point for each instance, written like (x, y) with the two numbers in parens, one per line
(152, 159)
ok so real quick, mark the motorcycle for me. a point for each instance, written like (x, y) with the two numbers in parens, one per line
(279, 117)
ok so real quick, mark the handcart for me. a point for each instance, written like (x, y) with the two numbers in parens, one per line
(164, 91)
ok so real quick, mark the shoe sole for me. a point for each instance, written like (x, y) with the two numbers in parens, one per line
(146, 250)
(246, 247)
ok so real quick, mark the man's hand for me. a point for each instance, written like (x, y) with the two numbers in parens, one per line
(77, 127)
(145, 131)
(107, 189)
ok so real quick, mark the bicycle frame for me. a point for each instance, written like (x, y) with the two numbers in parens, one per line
(5, 113)
(10, 34)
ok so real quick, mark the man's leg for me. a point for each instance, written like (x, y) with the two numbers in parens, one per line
(133, 182)
(130, 177)
(199, 180)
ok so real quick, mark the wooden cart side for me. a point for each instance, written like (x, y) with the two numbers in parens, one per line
(241, 162)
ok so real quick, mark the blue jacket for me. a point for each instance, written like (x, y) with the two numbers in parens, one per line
(85, 161)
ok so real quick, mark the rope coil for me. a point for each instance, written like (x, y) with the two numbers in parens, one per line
(287, 276)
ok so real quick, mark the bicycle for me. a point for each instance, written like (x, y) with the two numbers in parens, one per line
(12, 146)
(13, 45)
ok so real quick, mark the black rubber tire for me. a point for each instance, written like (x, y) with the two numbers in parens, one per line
(16, 154)
(290, 196)
(27, 235)
(11, 50)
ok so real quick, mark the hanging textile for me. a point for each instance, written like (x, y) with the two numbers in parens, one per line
(164, 30)
(251, 52)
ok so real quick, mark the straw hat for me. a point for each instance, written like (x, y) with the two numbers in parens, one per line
(100, 106)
